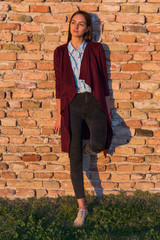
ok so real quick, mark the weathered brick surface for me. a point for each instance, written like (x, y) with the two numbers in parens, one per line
(31, 161)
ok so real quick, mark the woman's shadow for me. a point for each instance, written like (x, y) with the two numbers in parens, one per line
(121, 133)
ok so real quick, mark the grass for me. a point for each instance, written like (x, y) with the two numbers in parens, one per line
(111, 217)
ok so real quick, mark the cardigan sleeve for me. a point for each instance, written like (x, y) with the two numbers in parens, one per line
(104, 70)
(57, 72)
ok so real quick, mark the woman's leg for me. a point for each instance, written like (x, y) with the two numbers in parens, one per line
(75, 151)
(97, 123)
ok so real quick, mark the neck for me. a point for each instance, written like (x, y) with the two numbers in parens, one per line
(76, 42)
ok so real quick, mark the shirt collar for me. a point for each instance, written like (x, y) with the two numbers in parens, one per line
(80, 48)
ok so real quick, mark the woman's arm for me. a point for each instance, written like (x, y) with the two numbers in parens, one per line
(58, 88)
(58, 122)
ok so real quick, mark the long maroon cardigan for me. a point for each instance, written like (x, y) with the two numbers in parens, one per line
(94, 71)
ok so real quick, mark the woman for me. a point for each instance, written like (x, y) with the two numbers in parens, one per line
(83, 108)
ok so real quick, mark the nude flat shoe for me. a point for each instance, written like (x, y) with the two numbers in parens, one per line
(82, 214)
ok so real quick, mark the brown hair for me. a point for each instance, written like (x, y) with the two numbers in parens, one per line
(87, 35)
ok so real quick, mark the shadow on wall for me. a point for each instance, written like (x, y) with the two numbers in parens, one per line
(121, 133)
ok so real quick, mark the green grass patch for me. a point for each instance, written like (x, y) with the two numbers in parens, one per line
(110, 217)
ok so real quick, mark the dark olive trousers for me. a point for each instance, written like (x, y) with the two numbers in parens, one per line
(85, 107)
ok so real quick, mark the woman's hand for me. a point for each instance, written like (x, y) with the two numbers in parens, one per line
(58, 125)
(58, 122)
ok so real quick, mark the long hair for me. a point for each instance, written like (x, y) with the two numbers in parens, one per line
(88, 35)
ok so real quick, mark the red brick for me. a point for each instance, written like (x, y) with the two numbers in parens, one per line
(31, 27)
(130, 18)
(127, 38)
(144, 150)
(154, 115)
(49, 157)
(133, 123)
(40, 114)
(8, 56)
(155, 168)
(153, 28)
(152, 158)
(30, 158)
(126, 185)
(21, 94)
(7, 192)
(43, 149)
(119, 177)
(61, 18)
(125, 76)
(43, 174)
(55, 193)
(140, 95)
(140, 76)
(25, 65)
(132, 67)
(39, 8)
(125, 168)
(45, 66)
(118, 159)
(25, 175)
(141, 48)
(142, 57)
(4, 140)
(3, 166)
(144, 185)
(31, 131)
(129, 85)
(120, 57)
(52, 184)
(61, 176)
(153, 141)
(9, 26)
(151, 123)
(27, 85)
(141, 168)
(101, 176)
(8, 175)
(123, 95)
(32, 46)
(135, 159)
(35, 166)
(17, 140)
(109, 185)
(27, 122)
(25, 193)
(46, 123)
(17, 166)
(157, 133)
(17, 113)
(12, 76)
(38, 94)
(11, 131)
(20, 38)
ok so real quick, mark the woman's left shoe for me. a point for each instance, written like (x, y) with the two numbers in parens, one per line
(82, 214)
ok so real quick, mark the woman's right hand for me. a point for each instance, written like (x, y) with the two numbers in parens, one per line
(58, 125)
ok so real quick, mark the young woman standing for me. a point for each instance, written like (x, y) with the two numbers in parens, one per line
(83, 106)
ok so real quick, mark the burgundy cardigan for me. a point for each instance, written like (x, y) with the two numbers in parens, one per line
(94, 71)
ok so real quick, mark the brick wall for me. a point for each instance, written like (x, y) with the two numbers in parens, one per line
(32, 163)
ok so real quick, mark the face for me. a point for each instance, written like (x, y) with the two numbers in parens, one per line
(78, 26)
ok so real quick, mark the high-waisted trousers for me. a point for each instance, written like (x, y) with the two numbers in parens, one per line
(85, 107)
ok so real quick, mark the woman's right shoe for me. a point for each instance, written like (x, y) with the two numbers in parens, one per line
(82, 214)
